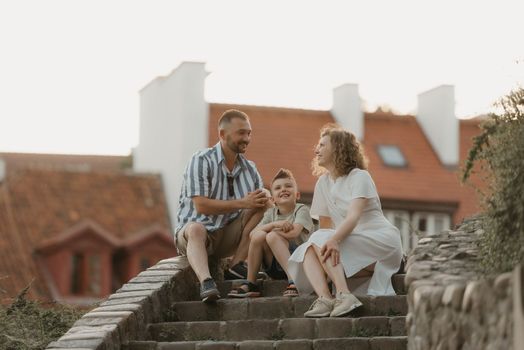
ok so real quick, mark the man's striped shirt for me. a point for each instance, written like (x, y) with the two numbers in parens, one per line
(206, 175)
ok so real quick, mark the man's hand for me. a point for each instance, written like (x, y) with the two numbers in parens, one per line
(256, 199)
(330, 248)
(270, 202)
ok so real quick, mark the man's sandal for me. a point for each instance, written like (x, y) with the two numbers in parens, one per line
(246, 290)
(291, 290)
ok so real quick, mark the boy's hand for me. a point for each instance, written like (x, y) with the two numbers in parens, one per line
(286, 226)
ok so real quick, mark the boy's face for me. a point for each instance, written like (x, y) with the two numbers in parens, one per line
(284, 191)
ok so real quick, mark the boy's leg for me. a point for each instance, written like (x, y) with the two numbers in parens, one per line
(280, 249)
(258, 250)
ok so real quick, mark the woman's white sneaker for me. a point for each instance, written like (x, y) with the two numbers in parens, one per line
(321, 307)
(344, 304)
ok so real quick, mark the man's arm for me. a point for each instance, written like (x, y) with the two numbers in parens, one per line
(208, 206)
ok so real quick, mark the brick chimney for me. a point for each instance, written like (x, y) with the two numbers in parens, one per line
(347, 109)
(436, 115)
(174, 119)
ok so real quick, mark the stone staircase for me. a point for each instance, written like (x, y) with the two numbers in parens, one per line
(276, 322)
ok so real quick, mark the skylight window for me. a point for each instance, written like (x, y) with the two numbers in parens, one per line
(392, 156)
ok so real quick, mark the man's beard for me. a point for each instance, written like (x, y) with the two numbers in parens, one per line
(236, 147)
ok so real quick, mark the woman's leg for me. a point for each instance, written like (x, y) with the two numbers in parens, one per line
(335, 273)
(315, 273)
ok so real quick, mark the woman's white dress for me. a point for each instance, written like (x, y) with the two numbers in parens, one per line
(374, 239)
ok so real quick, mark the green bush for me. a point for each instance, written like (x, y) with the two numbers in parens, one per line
(499, 153)
(28, 325)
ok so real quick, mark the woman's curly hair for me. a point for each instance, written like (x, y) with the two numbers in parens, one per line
(348, 153)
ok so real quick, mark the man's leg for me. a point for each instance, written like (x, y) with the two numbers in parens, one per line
(196, 236)
(251, 218)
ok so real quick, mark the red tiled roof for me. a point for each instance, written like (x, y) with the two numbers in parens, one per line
(18, 161)
(37, 205)
(284, 137)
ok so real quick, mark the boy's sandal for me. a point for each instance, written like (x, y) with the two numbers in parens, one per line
(246, 290)
(291, 290)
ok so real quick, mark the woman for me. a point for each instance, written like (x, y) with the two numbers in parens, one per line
(354, 235)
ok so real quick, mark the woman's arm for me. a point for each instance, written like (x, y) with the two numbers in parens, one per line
(330, 248)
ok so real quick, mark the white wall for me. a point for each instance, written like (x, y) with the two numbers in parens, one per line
(2, 169)
(436, 115)
(174, 119)
(347, 109)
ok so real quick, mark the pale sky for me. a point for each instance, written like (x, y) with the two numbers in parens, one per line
(70, 71)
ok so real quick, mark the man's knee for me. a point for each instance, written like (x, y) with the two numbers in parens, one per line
(196, 232)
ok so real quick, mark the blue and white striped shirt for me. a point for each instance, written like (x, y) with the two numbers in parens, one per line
(206, 175)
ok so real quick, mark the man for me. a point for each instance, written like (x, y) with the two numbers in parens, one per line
(221, 201)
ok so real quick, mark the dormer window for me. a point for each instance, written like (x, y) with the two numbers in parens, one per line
(392, 156)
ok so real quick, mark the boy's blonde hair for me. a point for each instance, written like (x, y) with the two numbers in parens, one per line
(283, 174)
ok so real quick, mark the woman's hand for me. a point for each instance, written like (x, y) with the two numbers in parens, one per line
(330, 249)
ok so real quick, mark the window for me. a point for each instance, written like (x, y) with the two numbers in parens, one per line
(401, 220)
(86, 278)
(392, 156)
(412, 224)
(77, 273)
(94, 278)
(431, 223)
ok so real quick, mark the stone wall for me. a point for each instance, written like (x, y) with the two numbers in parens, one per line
(125, 314)
(450, 305)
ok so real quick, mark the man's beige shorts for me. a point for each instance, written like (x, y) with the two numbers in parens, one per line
(221, 243)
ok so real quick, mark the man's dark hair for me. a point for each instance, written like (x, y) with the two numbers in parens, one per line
(229, 115)
(283, 174)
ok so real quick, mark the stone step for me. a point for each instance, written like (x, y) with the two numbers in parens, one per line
(278, 329)
(273, 288)
(355, 343)
(276, 307)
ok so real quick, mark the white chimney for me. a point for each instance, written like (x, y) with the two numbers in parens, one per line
(174, 120)
(347, 109)
(436, 115)
(2, 170)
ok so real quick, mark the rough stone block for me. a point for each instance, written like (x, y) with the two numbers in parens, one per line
(256, 345)
(390, 343)
(220, 345)
(341, 343)
(293, 345)
(270, 308)
(252, 329)
(298, 328)
(334, 327)
(371, 326)
(397, 326)
(183, 345)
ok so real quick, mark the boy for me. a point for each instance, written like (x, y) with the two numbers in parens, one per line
(282, 229)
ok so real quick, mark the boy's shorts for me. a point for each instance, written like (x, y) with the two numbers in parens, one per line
(221, 243)
(275, 271)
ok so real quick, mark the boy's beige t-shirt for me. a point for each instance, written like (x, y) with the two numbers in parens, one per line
(300, 215)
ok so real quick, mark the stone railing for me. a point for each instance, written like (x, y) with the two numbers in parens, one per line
(126, 313)
(450, 306)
